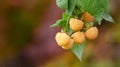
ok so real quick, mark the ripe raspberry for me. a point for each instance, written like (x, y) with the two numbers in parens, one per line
(92, 33)
(76, 24)
(68, 45)
(78, 37)
(62, 38)
(87, 17)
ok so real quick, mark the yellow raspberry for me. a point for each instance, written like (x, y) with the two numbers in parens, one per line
(92, 33)
(78, 37)
(62, 38)
(68, 45)
(87, 17)
(76, 24)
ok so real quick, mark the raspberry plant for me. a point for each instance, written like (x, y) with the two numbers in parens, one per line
(80, 16)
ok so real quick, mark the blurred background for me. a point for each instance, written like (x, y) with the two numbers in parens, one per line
(26, 40)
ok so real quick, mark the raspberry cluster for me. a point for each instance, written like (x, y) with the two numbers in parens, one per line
(80, 32)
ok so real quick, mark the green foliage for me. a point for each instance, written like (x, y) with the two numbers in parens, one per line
(107, 17)
(68, 5)
(88, 25)
(71, 6)
(65, 16)
(75, 9)
(98, 8)
(78, 50)
(58, 23)
(64, 22)
(95, 7)
(63, 4)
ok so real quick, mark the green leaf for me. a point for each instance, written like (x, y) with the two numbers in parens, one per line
(88, 25)
(61, 22)
(78, 3)
(98, 18)
(71, 6)
(63, 4)
(66, 27)
(95, 7)
(65, 16)
(78, 50)
(107, 17)
(70, 31)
